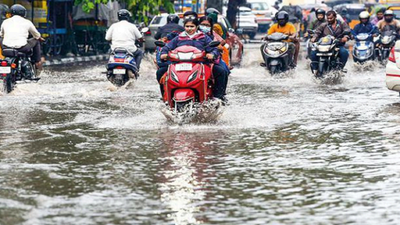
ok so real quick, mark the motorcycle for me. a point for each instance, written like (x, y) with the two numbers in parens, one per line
(121, 66)
(17, 66)
(388, 40)
(363, 49)
(328, 56)
(189, 79)
(275, 54)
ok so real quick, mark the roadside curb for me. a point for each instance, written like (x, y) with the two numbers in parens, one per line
(75, 59)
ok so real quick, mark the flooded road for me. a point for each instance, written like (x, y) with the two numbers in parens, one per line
(285, 151)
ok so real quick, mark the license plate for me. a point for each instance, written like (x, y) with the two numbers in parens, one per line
(5, 69)
(119, 71)
(183, 67)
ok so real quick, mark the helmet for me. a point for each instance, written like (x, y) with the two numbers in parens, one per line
(172, 18)
(282, 18)
(319, 11)
(212, 10)
(363, 15)
(124, 14)
(390, 14)
(18, 10)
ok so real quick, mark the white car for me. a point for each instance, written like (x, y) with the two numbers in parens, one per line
(393, 69)
(246, 21)
(264, 11)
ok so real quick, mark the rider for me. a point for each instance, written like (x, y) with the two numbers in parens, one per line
(14, 34)
(172, 26)
(320, 14)
(379, 16)
(365, 26)
(337, 29)
(389, 23)
(123, 34)
(191, 36)
(283, 26)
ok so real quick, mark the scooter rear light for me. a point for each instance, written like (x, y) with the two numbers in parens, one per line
(4, 63)
(148, 32)
(13, 65)
(392, 56)
(119, 67)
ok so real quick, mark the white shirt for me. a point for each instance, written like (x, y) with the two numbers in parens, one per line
(123, 35)
(15, 31)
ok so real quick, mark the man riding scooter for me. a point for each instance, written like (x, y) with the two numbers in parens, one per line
(283, 26)
(123, 34)
(365, 26)
(389, 23)
(337, 29)
(172, 26)
(14, 34)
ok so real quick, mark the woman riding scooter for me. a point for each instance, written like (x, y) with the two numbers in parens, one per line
(191, 36)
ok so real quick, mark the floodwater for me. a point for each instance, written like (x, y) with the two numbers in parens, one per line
(286, 150)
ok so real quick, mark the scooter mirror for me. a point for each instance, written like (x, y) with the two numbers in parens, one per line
(159, 43)
(214, 44)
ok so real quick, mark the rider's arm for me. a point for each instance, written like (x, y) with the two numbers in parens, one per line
(109, 33)
(318, 32)
(271, 30)
(170, 46)
(32, 30)
(2, 31)
(209, 49)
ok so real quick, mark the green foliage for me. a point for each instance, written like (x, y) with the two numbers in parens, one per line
(88, 5)
(140, 9)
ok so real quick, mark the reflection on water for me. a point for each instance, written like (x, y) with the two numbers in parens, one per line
(285, 151)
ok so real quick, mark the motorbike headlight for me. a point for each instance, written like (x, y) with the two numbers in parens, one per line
(283, 49)
(192, 77)
(185, 56)
(174, 77)
(386, 40)
(324, 48)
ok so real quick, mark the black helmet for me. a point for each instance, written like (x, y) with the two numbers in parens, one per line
(212, 10)
(18, 10)
(320, 11)
(282, 17)
(124, 14)
(388, 15)
(172, 18)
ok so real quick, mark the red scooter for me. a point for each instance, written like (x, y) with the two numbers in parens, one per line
(188, 79)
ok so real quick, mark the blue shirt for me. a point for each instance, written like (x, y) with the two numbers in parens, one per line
(368, 28)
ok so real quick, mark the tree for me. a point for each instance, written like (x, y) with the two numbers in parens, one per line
(233, 10)
(140, 9)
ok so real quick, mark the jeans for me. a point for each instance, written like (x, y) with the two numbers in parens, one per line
(138, 55)
(343, 56)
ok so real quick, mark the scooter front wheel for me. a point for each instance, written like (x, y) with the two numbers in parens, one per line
(273, 70)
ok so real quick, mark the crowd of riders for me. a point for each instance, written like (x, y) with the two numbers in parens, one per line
(326, 23)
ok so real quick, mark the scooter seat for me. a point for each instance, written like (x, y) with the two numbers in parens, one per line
(10, 52)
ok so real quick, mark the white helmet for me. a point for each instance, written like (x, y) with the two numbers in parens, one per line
(363, 15)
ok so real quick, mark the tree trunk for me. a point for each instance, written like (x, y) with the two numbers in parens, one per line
(233, 11)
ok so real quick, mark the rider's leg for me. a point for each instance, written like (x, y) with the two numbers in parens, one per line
(296, 51)
(138, 57)
(34, 45)
(314, 60)
(292, 52)
(343, 56)
(160, 73)
(221, 78)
